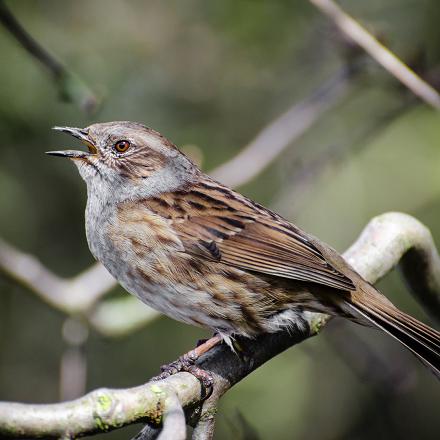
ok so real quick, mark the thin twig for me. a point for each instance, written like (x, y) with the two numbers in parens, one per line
(383, 243)
(353, 30)
(70, 86)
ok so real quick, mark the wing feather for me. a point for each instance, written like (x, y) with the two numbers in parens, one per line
(233, 230)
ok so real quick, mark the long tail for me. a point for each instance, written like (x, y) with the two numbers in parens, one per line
(421, 339)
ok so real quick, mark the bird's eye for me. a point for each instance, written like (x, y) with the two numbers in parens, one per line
(122, 146)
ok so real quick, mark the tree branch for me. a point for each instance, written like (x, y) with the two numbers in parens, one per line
(387, 59)
(70, 86)
(102, 410)
(384, 242)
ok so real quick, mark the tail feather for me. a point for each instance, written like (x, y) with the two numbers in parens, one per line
(412, 325)
(420, 339)
(424, 331)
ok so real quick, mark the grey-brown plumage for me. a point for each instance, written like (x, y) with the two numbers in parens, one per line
(206, 255)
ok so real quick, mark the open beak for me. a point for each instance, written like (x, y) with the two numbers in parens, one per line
(75, 154)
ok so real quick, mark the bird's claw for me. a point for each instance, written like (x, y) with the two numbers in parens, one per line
(187, 363)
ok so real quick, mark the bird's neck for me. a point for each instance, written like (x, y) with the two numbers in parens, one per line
(100, 211)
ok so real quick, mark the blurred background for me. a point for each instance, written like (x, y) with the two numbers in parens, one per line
(210, 76)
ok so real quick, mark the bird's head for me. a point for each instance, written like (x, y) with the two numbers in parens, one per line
(129, 159)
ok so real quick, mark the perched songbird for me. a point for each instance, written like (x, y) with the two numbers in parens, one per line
(206, 255)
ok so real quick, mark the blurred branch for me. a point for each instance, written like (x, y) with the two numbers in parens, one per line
(72, 296)
(384, 242)
(173, 419)
(301, 176)
(282, 132)
(358, 34)
(79, 295)
(121, 316)
(73, 364)
(70, 86)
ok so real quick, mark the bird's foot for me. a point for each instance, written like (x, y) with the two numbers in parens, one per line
(187, 363)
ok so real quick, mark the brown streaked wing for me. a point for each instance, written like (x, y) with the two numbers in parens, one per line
(254, 239)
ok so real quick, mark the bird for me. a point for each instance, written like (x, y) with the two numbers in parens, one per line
(206, 255)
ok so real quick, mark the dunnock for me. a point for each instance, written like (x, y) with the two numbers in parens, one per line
(206, 255)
